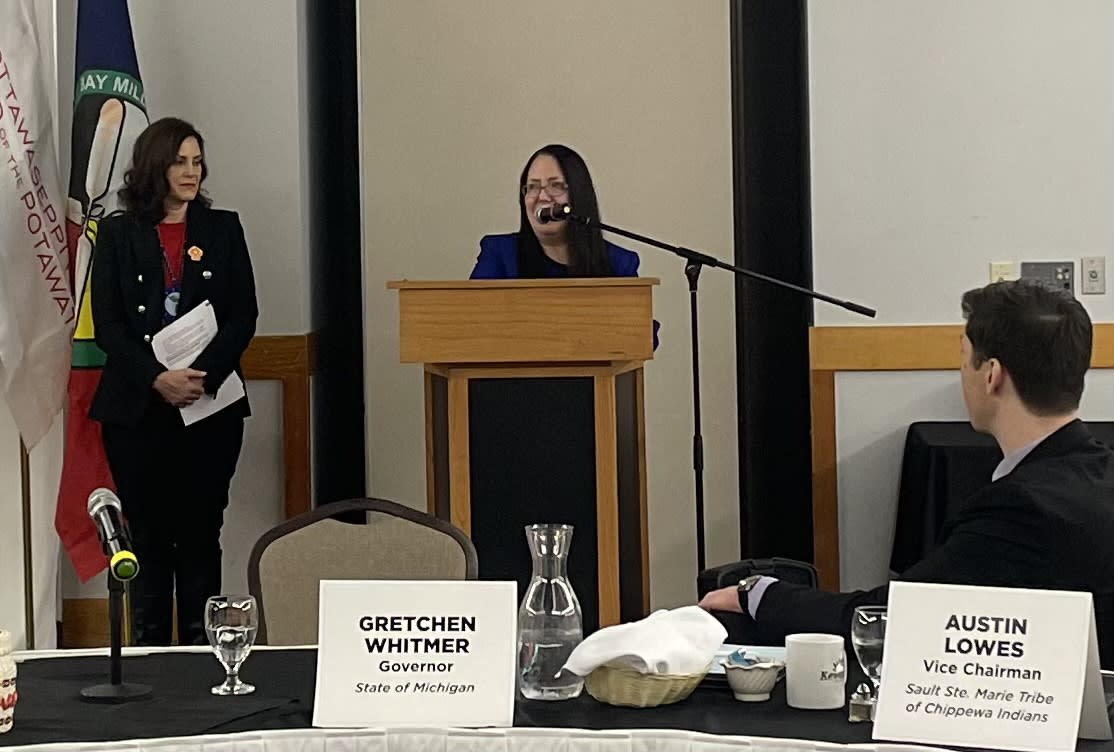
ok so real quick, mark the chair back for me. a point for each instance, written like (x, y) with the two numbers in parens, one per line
(788, 570)
(375, 539)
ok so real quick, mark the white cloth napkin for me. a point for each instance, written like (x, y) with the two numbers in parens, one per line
(681, 641)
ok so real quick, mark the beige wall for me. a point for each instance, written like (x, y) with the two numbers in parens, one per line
(454, 98)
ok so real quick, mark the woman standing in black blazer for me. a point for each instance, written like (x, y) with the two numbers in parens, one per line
(167, 253)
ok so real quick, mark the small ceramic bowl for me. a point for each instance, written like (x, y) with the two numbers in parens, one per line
(751, 677)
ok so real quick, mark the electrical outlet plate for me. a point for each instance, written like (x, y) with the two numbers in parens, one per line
(1002, 271)
(1092, 275)
(1057, 274)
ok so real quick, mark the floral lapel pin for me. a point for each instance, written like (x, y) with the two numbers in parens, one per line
(195, 253)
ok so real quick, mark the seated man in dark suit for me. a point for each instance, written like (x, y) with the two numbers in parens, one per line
(1047, 518)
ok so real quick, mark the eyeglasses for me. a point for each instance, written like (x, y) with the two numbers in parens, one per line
(553, 189)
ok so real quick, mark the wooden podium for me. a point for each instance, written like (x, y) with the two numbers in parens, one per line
(533, 414)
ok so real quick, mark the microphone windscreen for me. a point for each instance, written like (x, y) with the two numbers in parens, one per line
(103, 497)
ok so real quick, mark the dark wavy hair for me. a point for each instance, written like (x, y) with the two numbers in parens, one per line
(1042, 337)
(587, 252)
(156, 149)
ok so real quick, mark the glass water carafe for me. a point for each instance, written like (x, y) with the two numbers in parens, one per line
(550, 623)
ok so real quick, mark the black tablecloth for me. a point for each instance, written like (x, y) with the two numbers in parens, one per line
(944, 463)
(49, 708)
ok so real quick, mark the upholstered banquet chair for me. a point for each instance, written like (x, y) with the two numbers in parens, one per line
(789, 570)
(375, 540)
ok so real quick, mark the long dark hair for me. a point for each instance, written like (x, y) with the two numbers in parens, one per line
(156, 149)
(587, 252)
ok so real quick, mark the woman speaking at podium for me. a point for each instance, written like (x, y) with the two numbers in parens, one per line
(166, 254)
(554, 175)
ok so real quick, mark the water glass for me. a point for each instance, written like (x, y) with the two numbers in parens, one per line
(231, 622)
(868, 636)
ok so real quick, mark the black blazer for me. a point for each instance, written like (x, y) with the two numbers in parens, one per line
(1049, 524)
(127, 302)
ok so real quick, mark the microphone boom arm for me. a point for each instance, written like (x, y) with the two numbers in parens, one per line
(703, 259)
(694, 262)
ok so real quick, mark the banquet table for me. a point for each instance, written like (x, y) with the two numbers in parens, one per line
(182, 715)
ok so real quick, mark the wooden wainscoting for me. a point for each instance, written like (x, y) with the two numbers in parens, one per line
(876, 348)
(290, 359)
(287, 358)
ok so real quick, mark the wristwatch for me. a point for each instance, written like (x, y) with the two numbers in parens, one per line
(745, 586)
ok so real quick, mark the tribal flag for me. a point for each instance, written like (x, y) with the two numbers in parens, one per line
(109, 113)
(36, 309)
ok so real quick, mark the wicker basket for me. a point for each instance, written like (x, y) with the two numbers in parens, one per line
(626, 687)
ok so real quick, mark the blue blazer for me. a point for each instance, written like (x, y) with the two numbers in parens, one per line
(499, 259)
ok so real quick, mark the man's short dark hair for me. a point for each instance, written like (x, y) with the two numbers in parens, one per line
(1041, 336)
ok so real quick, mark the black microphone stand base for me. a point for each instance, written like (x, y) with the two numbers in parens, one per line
(115, 693)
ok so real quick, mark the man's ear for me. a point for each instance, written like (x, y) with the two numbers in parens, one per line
(995, 376)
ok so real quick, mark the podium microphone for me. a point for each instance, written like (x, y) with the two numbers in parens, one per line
(107, 515)
(553, 213)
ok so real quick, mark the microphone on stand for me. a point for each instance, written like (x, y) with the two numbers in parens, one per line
(107, 514)
(108, 517)
(553, 213)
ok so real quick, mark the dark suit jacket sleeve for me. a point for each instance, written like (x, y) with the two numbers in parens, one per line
(489, 265)
(787, 608)
(996, 540)
(237, 327)
(109, 315)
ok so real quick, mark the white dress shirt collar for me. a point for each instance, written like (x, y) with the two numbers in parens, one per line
(1013, 459)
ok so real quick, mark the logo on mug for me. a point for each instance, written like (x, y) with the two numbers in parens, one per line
(837, 672)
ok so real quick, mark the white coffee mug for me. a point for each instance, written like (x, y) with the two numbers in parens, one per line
(7, 682)
(815, 671)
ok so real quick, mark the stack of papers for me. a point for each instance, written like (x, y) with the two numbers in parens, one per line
(179, 344)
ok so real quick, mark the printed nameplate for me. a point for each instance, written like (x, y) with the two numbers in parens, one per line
(416, 653)
(1001, 668)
